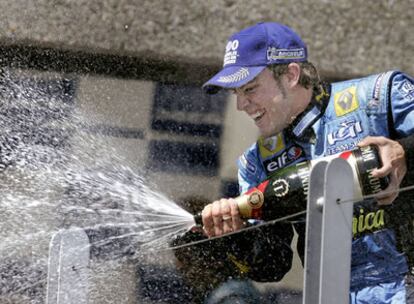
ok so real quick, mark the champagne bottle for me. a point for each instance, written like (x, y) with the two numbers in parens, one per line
(285, 192)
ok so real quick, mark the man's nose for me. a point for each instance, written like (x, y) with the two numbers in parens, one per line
(242, 102)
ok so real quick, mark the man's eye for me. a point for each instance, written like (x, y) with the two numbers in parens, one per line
(249, 90)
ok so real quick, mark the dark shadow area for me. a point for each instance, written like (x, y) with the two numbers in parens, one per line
(120, 66)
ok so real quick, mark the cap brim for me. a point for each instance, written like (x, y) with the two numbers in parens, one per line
(231, 77)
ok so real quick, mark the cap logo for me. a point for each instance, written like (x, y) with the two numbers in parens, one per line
(231, 54)
(278, 54)
(235, 77)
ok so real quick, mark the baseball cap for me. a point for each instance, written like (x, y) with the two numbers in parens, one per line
(251, 50)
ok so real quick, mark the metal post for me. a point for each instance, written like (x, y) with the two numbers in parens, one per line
(311, 283)
(329, 233)
(67, 281)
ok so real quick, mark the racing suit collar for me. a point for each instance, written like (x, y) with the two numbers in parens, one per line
(300, 128)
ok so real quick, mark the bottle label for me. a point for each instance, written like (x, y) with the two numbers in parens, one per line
(285, 192)
(250, 204)
(367, 159)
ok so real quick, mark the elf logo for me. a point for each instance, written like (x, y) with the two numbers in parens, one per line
(284, 159)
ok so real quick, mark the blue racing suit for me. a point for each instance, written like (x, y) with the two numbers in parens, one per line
(336, 120)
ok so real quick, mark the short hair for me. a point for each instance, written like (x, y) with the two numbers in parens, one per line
(309, 77)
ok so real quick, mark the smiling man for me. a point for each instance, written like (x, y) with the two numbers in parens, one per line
(266, 67)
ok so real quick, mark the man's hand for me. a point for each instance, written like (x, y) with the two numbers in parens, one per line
(221, 217)
(393, 164)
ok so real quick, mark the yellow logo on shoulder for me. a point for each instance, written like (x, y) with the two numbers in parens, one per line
(242, 266)
(271, 145)
(346, 101)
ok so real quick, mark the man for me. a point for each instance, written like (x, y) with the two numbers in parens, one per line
(266, 67)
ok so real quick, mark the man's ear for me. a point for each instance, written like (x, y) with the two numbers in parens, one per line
(293, 74)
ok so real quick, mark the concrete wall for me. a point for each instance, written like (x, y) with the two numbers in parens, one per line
(345, 37)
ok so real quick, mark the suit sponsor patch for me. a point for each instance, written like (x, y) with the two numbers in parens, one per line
(346, 130)
(271, 145)
(283, 159)
(346, 101)
(408, 89)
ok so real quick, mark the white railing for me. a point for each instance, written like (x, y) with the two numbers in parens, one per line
(328, 234)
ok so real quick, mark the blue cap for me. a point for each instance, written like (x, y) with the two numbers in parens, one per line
(251, 50)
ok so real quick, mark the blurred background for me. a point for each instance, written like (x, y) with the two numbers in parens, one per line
(134, 70)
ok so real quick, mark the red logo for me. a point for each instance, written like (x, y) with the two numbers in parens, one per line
(345, 155)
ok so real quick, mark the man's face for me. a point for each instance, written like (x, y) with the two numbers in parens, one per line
(265, 100)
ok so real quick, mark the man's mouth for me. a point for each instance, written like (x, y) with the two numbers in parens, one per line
(258, 115)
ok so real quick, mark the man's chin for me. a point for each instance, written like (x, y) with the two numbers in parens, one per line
(275, 130)
(267, 133)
